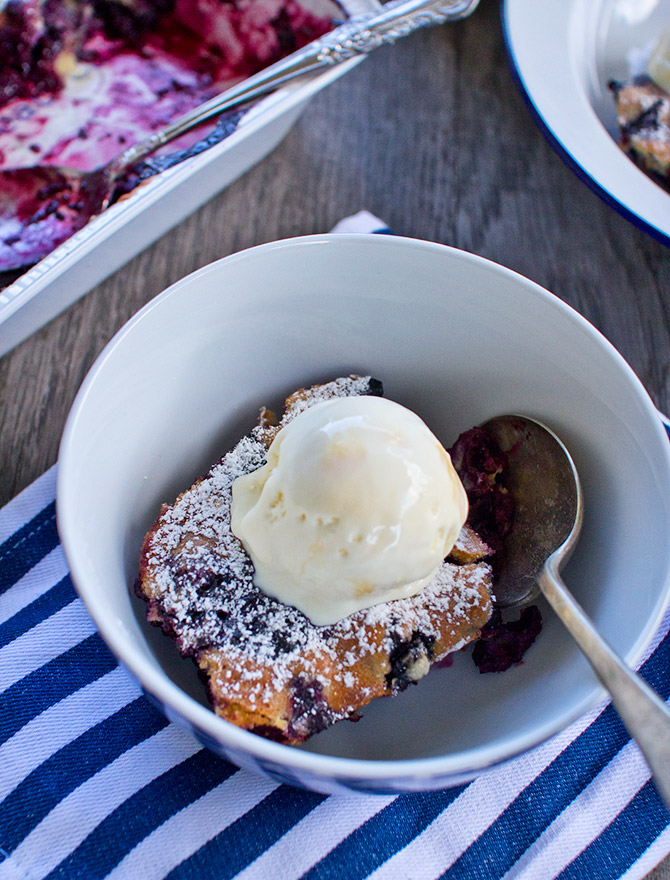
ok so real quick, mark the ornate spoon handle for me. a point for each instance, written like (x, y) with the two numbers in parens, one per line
(362, 34)
(357, 36)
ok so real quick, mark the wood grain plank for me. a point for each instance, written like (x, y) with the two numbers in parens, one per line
(432, 136)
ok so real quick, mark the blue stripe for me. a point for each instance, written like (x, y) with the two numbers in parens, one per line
(24, 549)
(44, 606)
(141, 814)
(506, 839)
(40, 791)
(382, 836)
(62, 676)
(624, 840)
(655, 668)
(249, 836)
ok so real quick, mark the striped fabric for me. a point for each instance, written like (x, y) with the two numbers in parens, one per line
(96, 783)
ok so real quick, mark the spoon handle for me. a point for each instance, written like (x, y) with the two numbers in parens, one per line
(357, 36)
(644, 714)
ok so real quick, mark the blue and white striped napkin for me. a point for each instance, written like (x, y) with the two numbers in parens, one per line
(96, 783)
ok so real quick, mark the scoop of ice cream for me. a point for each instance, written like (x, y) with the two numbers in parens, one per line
(357, 504)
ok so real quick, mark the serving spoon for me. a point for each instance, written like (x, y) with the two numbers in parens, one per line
(544, 483)
(41, 207)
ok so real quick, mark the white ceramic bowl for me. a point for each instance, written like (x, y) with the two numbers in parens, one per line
(457, 339)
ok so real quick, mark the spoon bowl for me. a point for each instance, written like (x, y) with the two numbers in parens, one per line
(548, 514)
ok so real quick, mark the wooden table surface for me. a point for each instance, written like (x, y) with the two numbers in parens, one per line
(432, 136)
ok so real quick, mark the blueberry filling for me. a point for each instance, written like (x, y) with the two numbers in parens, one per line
(647, 120)
(282, 643)
(481, 464)
(311, 713)
(404, 655)
(503, 644)
(375, 388)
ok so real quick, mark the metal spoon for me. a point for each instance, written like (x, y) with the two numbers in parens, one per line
(544, 483)
(41, 207)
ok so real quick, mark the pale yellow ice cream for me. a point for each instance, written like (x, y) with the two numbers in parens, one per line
(358, 504)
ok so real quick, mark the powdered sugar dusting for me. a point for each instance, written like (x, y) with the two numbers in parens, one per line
(347, 386)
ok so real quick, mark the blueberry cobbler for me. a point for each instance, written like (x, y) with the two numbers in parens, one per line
(643, 110)
(287, 668)
(643, 114)
(81, 80)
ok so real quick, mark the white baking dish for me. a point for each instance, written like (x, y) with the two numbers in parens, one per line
(121, 232)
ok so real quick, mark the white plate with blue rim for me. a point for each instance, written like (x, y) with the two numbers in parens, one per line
(564, 53)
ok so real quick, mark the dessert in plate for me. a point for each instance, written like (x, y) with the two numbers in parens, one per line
(643, 114)
(326, 560)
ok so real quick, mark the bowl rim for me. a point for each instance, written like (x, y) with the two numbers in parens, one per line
(154, 681)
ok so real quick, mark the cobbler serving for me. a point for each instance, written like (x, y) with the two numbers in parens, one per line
(268, 666)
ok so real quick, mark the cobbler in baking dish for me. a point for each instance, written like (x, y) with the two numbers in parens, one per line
(82, 80)
(267, 666)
